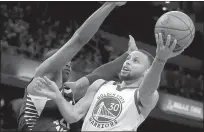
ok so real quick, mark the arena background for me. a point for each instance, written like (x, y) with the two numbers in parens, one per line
(30, 29)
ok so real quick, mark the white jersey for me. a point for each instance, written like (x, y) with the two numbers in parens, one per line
(113, 109)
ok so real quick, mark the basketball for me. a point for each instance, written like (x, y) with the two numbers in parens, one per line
(179, 26)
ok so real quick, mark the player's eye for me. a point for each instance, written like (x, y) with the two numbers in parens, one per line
(135, 60)
(128, 58)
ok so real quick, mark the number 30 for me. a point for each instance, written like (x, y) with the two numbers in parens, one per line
(114, 107)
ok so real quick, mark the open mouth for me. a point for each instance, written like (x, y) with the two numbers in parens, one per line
(67, 70)
(126, 68)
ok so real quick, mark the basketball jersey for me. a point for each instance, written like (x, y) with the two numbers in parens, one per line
(113, 109)
(40, 113)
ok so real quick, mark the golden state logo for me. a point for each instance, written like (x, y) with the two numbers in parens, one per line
(107, 110)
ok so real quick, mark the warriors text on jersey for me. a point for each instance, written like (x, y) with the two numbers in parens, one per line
(113, 109)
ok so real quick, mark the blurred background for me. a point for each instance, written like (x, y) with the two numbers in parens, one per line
(31, 29)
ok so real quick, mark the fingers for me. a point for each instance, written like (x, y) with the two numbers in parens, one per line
(172, 47)
(160, 40)
(43, 81)
(47, 80)
(168, 40)
(131, 39)
(51, 85)
(41, 88)
(41, 91)
(131, 44)
(38, 90)
(38, 87)
(157, 38)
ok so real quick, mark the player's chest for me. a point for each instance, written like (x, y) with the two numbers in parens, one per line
(109, 105)
(112, 99)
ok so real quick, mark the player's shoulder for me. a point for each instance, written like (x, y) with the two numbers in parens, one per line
(99, 82)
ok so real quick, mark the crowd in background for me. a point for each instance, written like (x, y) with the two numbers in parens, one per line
(182, 83)
(30, 31)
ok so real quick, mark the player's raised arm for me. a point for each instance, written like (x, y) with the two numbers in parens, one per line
(78, 40)
(107, 72)
(147, 91)
(70, 113)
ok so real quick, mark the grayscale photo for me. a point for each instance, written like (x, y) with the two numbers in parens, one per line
(72, 66)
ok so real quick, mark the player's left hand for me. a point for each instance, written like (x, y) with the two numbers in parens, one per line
(46, 87)
(131, 44)
(165, 51)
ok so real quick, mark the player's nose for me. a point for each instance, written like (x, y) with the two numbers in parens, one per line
(127, 63)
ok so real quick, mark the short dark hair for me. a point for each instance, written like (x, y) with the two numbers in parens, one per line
(150, 57)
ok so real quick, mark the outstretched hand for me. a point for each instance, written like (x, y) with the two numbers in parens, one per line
(46, 87)
(131, 44)
(165, 51)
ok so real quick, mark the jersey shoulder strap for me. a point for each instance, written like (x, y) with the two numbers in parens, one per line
(105, 82)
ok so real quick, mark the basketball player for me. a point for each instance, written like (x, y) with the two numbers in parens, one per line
(115, 106)
(29, 118)
(34, 104)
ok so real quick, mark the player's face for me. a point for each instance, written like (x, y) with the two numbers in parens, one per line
(66, 71)
(134, 66)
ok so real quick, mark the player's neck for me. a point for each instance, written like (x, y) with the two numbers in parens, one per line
(131, 83)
